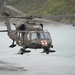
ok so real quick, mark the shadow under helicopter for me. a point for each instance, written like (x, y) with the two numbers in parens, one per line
(4, 66)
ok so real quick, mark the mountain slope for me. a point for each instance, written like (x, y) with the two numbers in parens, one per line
(43, 7)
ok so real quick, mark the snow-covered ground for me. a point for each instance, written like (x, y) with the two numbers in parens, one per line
(62, 62)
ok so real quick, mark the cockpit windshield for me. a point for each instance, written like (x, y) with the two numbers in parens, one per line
(40, 35)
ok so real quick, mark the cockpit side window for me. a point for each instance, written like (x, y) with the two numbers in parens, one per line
(40, 35)
(34, 36)
(47, 35)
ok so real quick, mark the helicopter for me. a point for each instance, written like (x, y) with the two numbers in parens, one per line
(28, 34)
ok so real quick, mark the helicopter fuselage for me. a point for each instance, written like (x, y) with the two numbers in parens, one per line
(32, 39)
(27, 34)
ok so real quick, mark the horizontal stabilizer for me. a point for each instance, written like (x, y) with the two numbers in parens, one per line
(3, 30)
(59, 16)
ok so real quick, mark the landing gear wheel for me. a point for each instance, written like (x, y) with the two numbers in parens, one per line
(47, 51)
(22, 51)
(13, 45)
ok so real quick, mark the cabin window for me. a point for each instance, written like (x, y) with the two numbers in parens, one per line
(19, 35)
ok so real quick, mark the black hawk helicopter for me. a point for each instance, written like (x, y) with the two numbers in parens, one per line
(28, 34)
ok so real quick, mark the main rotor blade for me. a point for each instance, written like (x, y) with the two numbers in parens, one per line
(59, 16)
(20, 17)
(16, 10)
(41, 19)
